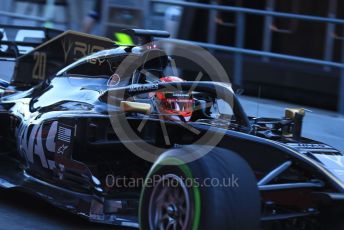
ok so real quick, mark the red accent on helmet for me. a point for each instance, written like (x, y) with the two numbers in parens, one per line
(175, 103)
(171, 79)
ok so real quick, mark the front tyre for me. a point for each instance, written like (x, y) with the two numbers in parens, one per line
(217, 191)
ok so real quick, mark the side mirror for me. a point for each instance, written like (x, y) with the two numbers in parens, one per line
(137, 107)
(291, 113)
(297, 116)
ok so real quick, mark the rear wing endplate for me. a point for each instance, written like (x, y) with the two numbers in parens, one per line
(41, 53)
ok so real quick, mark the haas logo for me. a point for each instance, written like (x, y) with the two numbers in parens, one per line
(33, 141)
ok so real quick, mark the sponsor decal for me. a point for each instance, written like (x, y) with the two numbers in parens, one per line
(114, 80)
(63, 148)
(64, 139)
(78, 49)
(64, 134)
(45, 141)
(31, 142)
(143, 88)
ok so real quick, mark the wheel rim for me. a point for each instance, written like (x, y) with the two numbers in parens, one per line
(169, 205)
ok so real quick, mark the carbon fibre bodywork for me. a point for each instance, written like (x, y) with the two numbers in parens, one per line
(57, 142)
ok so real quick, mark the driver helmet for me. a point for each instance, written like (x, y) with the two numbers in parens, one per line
(175, 105)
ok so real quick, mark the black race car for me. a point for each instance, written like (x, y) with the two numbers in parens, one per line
(113, 138)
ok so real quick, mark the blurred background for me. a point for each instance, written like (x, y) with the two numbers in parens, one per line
(290, 50)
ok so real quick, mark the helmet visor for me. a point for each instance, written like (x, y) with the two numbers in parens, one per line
(177, 103)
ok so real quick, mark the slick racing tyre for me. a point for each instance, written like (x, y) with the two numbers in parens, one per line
(217, 191)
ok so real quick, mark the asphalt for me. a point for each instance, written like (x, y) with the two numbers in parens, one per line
(19, 211)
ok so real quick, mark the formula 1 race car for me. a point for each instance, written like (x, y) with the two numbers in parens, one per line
(102, 131)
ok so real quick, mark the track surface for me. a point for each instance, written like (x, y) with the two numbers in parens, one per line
(20, 211)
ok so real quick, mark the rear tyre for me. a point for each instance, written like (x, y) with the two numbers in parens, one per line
(217, 191)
